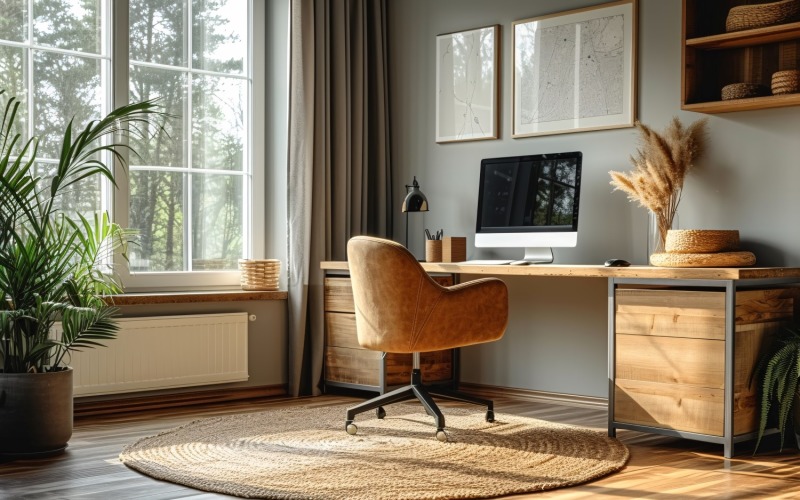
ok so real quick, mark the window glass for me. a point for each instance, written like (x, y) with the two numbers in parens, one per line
(68, 24)
(216, 221)
(83, 197)
(219, 41)
(157, 201)
(157, 31)
(14, 20)
(166, 146)
(13, 61)
(218, 117)
(64, 88)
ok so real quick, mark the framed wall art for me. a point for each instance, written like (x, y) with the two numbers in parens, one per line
(467, 85)
(575, 70)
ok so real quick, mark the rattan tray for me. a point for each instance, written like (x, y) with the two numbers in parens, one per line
(701, 240)
(746, 17)
(721, 259)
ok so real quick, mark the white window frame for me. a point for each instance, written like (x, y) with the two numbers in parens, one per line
(254, 216)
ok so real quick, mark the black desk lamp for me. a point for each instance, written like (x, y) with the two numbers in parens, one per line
(414, 201)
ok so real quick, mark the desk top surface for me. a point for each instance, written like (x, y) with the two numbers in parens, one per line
(600, 271)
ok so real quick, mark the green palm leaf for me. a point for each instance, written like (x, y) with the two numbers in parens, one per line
(53, 267)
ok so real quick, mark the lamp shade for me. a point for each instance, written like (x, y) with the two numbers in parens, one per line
(415, 200)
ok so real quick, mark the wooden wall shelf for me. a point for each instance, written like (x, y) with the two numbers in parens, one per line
(746, 38)
(712, 58)
(764, 102)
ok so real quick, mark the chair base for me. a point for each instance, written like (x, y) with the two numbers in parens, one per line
(424, 395)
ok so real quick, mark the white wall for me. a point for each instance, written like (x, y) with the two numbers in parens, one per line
(556, 340)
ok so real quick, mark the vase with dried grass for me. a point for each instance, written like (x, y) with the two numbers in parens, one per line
(660, 167)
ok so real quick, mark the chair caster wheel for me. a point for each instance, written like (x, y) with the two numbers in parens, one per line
(441, 436)
(380, 412)
(489, 415)
(351, 428)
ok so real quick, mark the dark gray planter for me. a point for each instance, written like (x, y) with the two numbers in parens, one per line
(35, 413)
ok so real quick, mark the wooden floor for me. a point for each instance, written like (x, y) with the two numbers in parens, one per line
(659, 467)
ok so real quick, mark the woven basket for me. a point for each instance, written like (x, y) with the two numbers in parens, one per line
(786, 82)
(701, 241)
(746, 17)
(721, 259)
(742, 90)
(260, 274)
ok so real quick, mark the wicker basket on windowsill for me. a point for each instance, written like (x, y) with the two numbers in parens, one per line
(260, 274)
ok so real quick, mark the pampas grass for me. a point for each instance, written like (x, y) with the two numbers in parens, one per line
(660, 167)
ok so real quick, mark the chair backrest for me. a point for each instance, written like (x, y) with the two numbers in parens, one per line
(400, 308)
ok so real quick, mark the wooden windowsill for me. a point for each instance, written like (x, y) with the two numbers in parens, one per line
(141, 299)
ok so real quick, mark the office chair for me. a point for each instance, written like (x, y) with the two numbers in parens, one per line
(400, 309)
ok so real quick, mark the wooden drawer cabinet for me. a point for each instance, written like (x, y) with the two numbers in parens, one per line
(347, 364)
(670, 356)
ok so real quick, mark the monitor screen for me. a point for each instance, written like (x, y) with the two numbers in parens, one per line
(529, 201)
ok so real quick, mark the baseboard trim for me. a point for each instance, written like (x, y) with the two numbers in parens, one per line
(493, 392)
(126, 405)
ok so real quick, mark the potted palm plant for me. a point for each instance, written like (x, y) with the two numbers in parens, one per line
(52, 275)
(778, 373)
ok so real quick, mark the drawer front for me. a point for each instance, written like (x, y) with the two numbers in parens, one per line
(340, 330)
(669, 406)
(696, 314)
(435, 366)
(670, 313)
(339, 295)
(671, 360)
(352, 366)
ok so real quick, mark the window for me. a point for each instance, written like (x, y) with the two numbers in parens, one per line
(54, 56)
(189, 193)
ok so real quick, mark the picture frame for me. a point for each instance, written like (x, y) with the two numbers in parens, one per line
(467, 85)
(575, 70)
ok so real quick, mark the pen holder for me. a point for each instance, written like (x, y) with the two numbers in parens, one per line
(433, 250)
(454, 249)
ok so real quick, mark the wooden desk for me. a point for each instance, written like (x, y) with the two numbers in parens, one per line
(600, 271)
(682, 342)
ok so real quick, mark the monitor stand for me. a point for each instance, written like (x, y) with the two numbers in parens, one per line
(538, 255)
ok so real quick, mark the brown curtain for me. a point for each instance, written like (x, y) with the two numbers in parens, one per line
(339, 167)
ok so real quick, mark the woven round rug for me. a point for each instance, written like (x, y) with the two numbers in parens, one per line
(306, 453)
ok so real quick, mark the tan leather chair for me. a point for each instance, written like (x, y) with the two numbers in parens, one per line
(399, 308)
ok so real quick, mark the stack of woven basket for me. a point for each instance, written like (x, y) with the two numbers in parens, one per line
(702, 248)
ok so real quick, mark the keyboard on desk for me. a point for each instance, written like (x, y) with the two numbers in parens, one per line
(484, 263)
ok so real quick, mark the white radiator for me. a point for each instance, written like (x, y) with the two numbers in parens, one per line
(165, 352)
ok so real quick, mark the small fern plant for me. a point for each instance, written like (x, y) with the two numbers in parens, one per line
(778, 373)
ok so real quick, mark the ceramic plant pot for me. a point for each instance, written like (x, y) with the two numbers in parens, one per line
(35, 413)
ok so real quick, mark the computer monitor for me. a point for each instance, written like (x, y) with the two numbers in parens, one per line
(529, 202)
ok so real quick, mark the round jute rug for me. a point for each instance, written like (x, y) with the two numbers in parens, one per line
(306, 453)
